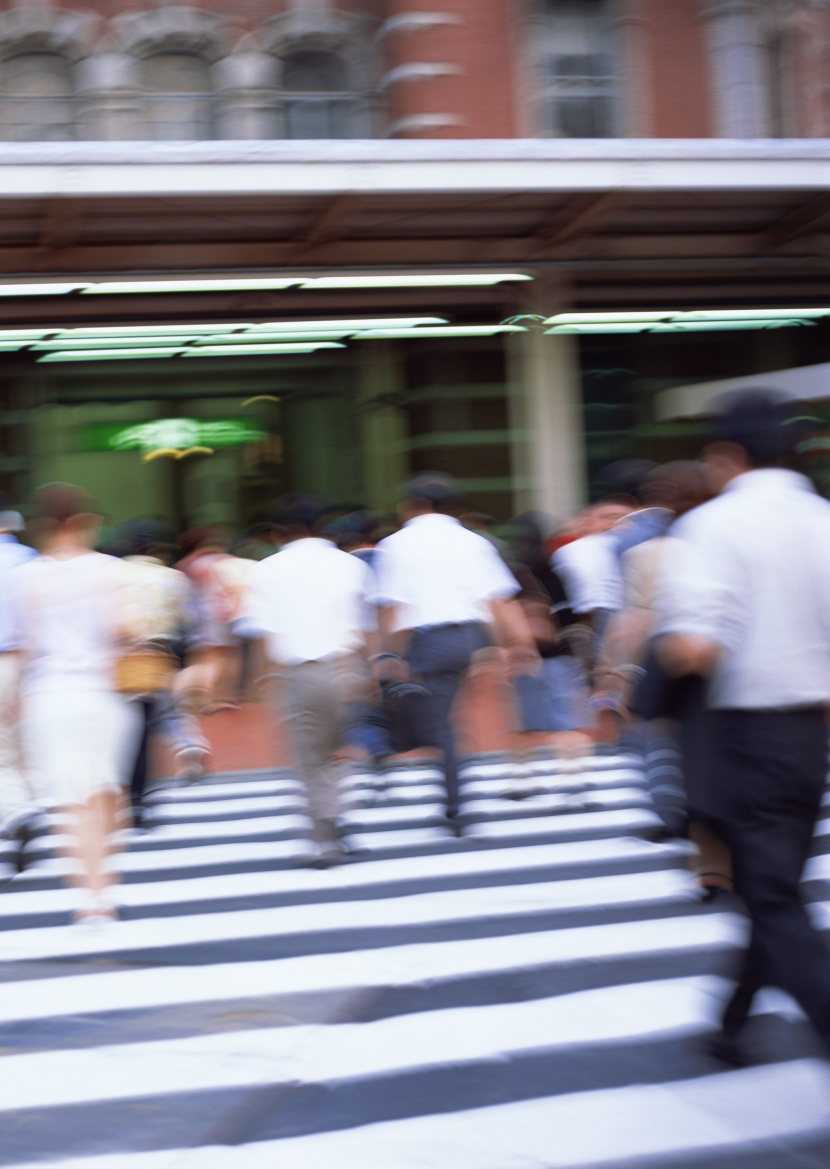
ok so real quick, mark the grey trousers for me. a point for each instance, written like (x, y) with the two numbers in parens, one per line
(319, 701)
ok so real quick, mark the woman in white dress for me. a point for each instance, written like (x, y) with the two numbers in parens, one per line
(78, 732)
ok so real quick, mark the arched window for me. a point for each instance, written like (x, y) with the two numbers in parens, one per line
(36, 98)
(178, 97)
(317, 101)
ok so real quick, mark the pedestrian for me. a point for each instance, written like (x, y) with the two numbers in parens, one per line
(162, 627)
(219, 580)
(746, 598)
(78, 732)
(312, 604)
(555, 700)
(445, 594)
(19, 820)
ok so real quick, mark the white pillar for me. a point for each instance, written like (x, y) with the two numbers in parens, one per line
(546, 399)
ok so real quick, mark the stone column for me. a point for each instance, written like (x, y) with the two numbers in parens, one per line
(245, 84)
(110, 107)
(383, 428)
(737, 62)
(636, 82)
(546, 403)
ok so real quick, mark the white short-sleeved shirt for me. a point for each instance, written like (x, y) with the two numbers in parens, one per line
(67, 617)
(311, 602)
(751, 570)
(590, 571)
(437, 572)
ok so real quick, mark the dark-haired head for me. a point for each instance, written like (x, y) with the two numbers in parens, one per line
(764, 423)
(62, 510)
(301, 513)
(431, 491)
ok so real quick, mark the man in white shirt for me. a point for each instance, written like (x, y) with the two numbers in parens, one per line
(441, 588)
(312, 605)
(746, 598)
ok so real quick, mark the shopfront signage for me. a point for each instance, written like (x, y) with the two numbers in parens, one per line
(172, 434)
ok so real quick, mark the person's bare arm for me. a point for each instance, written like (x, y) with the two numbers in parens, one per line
(681, 654)
(389, 658)
(514, 634)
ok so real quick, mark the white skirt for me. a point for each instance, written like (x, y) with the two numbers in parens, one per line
(79, 743)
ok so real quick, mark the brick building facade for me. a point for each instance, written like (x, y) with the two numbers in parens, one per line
(485, 69)
(605, 156)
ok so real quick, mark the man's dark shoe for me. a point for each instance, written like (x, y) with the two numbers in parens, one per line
(21, 835)
(727, 1050)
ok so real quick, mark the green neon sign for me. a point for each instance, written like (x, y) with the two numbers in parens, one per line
(172, 433)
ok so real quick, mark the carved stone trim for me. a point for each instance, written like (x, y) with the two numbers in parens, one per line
(174, 28)
(27, 28)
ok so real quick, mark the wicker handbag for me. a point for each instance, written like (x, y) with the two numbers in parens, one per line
(144, 670)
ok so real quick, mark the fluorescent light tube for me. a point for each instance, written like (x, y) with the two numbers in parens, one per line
(739, 314)
(609, 327)
(449, 331)
(353, 325)
(107, 354)
(249, 350)
(723, 326)
(39, 289)
(164, 331)
(86, 343)
(600, 318)
(420, 280)
(307, 335)
(263, 283)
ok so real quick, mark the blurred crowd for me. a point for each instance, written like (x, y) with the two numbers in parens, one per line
(685, 612)
(360, 633)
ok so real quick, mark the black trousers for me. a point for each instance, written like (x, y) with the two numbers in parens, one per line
(439, 656)
(768, 773)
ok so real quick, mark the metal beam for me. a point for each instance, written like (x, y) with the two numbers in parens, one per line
(327, 226)
(579, 214)
(805, 218)
(59, 230)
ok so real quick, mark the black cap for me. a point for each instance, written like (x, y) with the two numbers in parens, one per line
(765, 422)
(432, 487)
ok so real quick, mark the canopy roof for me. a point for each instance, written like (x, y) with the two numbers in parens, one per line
(621, 222)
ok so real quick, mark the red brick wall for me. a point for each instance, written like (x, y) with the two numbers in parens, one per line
(810, 33)
(480, 96)
(674, 33)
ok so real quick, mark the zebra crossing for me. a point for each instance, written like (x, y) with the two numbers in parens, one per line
(533, 995)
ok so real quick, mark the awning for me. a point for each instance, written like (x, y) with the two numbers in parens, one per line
(621, 222)
(805, 382)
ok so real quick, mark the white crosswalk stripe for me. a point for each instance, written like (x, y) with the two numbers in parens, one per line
(532, 995)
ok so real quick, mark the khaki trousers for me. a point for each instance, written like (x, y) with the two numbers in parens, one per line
(319, 702)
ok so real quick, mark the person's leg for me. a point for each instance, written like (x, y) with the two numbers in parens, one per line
(772, 767)
(92, 827)
(312, 707)
(138, 779)
(439, 658)
(442, 687)
(18, 806)
(180, 730)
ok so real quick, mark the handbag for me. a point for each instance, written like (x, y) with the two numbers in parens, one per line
(144, 669)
